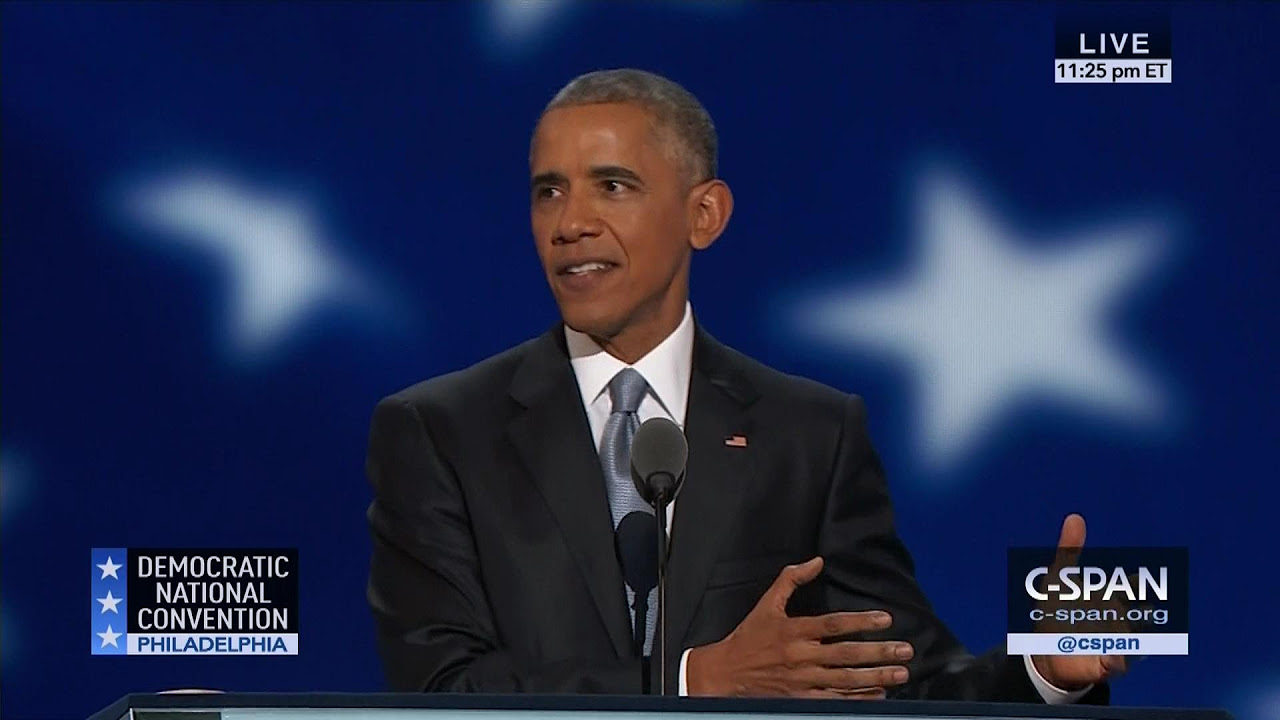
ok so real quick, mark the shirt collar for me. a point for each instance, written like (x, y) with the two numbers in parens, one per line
(666, 368)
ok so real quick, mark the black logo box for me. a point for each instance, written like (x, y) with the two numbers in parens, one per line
(1022, 561)
(1100, 20)
(281, 592)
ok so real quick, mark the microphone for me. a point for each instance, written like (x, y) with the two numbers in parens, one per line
(659, 454)
(636, 540)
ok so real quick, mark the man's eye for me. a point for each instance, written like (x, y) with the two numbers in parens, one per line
(615, 186)
(546, 193)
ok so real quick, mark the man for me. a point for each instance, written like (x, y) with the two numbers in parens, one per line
(498, 488)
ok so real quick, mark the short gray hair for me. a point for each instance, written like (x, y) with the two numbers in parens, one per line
(672, 108)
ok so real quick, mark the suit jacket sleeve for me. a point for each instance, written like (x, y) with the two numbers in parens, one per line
(435, 629)
(868, 567)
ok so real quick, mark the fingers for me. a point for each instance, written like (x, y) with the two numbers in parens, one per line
(858, 654)
(850, 680)
(791, 577)
(828, 694)
(841, 623)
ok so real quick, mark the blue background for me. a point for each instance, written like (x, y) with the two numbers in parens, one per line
(137, 414)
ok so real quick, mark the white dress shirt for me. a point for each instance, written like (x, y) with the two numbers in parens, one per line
(666, 369)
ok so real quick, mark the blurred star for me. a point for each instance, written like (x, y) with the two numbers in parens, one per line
(279, 266)
(1263, 703)
(990, 317)
(14, 473)
(518, 20)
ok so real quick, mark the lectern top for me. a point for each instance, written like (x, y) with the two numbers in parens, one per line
(411, 706)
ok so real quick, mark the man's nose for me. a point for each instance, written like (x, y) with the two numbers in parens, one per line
(578, 220)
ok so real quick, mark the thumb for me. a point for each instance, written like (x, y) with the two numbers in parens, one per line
(792, 577)
(1070, 540)
(1114, 665)
(1073, 528)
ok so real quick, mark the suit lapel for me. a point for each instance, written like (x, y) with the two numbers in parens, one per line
(553, 439)
(719, 398)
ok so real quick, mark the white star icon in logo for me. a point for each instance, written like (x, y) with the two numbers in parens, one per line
(990, 318)
(280, 267)
(109, 603)
(109, 637)
(109, 569)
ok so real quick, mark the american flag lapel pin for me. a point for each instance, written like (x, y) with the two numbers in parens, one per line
(736, 441)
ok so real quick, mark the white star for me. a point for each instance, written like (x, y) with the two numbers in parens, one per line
(990, 318)
(1263, 700)
(109, 569)
(516, 20)
(109, 637)
(515, 26)
(109, 603)
(280, 268)
(16, 476)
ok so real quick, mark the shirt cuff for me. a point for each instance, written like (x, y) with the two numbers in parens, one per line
(1052, 695)
(684, 675)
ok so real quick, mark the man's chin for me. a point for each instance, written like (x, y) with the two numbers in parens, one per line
(590, 321)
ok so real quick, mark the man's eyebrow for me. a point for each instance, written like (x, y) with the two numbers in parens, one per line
(597, 172)
(548, 178)
(614, 172)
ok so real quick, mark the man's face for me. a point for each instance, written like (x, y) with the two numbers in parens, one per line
(609, 217)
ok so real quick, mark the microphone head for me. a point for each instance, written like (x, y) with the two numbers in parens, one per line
(637, 544)
(659, 453)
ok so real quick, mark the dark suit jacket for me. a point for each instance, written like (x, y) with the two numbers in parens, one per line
(494, 567)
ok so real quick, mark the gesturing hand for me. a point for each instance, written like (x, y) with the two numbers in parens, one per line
(1073, 672)
(771, 653)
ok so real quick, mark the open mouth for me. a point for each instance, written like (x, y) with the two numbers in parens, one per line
(584, 268)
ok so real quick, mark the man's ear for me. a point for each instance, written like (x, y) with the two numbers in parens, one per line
(710, 205)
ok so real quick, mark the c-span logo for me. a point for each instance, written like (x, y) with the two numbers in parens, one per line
(193, 602)
(1118, 601)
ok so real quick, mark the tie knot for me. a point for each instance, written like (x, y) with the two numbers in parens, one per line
(626, 390)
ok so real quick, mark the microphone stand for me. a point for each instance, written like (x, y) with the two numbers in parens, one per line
(661, 500)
